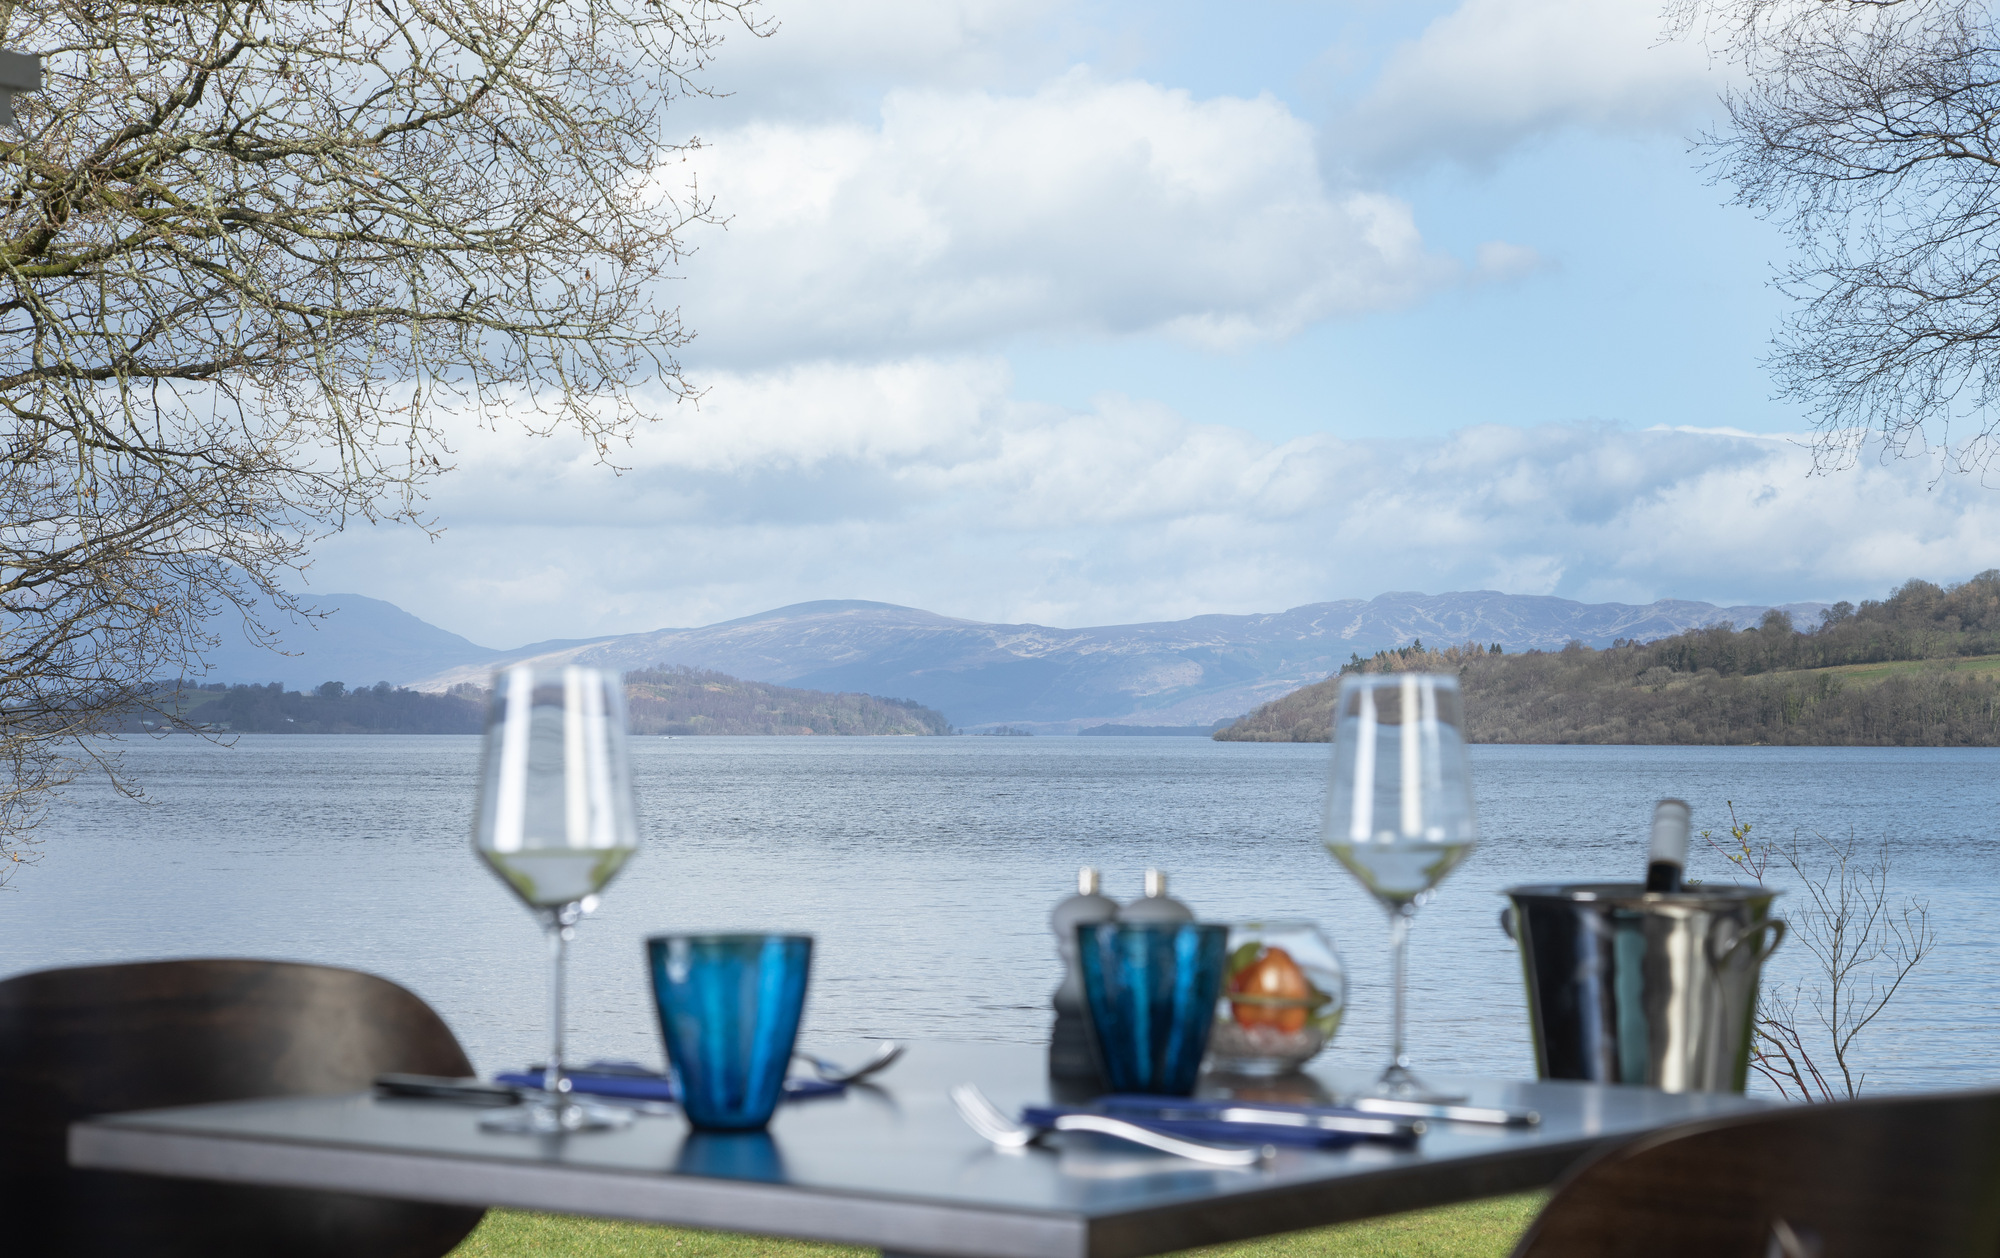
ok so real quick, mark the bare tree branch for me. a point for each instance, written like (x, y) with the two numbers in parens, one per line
(1862, 944)
(253, 256)
(1866, 130)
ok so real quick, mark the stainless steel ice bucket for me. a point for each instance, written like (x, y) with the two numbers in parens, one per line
(1631, 986)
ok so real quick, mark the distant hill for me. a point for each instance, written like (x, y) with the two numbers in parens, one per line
(1183, 672)
(359, 641)
(699, 701)
(1920, 668)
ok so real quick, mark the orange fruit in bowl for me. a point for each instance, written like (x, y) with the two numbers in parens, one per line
(1263, 992)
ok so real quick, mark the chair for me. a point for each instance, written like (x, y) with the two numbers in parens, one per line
(100, 1039)
(1911, 1176)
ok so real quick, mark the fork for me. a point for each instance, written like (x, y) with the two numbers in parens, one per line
(886, 1055)
(987, 1119)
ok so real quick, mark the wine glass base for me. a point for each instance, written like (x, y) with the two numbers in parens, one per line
(546, 1118)
(1398, 1084)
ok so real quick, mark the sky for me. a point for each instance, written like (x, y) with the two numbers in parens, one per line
(1100, 312)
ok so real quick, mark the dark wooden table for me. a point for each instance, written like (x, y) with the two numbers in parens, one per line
(890, 1166)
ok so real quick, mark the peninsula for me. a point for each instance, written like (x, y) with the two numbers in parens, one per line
(1920, 668)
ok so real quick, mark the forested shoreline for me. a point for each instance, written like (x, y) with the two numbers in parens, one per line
(670, 701)
(334, 709)
(1772, 684)
(685, 701)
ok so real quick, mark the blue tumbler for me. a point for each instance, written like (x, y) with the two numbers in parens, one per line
(729, 1012)
(1151, 988)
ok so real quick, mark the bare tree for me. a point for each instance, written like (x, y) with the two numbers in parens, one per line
(1863, 946)
(257, 258)
(1865, 130)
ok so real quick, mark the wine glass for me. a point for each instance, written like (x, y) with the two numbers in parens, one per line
(1399, 814)
(555, 821)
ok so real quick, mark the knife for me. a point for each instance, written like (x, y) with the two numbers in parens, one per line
(1448, 1113)
(441, 1088)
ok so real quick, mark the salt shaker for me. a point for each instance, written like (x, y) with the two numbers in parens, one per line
(1069, 1042)
(1156, 905)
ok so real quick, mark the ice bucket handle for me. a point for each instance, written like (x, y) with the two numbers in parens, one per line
(1507, 923)
(1772, 932)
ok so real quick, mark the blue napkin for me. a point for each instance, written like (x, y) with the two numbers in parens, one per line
(1196, 1120)
(629, 1081)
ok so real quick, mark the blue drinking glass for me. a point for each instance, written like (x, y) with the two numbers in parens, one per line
(1151, 989)
(729, 1012)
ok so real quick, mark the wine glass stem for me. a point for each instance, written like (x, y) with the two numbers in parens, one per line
(552, 1073)
(1399, 952)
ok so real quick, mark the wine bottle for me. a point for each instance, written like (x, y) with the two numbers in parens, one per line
(1666, 863)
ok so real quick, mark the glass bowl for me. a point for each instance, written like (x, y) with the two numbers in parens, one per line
(1281, 1001)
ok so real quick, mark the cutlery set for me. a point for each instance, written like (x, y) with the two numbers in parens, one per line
(1003, 1132)
(1226, 1133)
(640, 1088)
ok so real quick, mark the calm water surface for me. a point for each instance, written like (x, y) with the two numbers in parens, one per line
(926, 868)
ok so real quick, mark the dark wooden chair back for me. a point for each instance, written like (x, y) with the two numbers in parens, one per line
(105, 1038)
(1911, 1176)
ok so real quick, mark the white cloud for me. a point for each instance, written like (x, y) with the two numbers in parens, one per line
(829, 55)
(923, 482)
(962, 218)
(1494, 73)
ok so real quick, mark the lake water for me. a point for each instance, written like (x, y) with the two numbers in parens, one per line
(926, 868)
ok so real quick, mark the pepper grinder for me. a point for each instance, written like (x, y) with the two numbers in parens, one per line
(1070, 1057)
(1156, 905)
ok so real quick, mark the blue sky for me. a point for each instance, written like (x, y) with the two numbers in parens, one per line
(1085, 313)
(1648, 272)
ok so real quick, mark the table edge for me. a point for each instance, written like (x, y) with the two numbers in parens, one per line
(680, 1200)
(947, 1230)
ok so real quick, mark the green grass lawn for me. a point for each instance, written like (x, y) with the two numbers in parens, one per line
(1479, 1229)
(1866, 673)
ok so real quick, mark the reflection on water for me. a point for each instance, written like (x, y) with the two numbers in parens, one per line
(926, 868)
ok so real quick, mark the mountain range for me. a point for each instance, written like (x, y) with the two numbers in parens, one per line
(350, 638)
(1190, 671)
